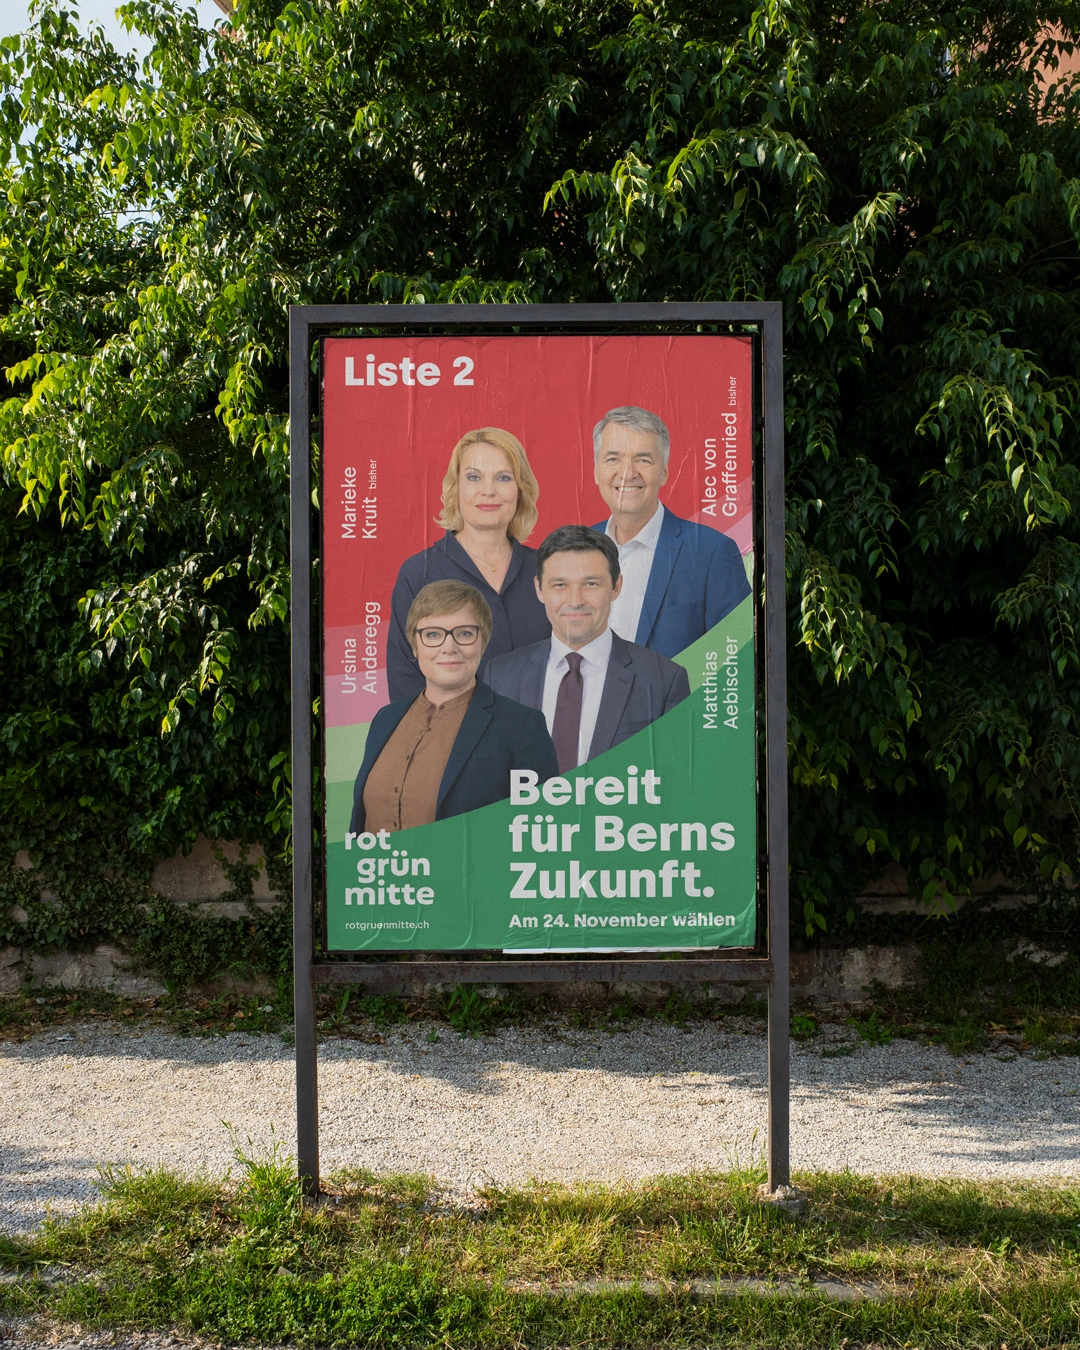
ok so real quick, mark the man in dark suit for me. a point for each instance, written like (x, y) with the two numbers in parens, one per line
(594, 689)
(679, 578)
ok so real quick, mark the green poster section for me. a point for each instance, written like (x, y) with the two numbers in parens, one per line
(650, 846)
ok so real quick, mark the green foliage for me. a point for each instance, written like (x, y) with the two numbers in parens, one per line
(977, 968)
(183, 944)
(268, 1279)
(389, 1262)
(186, 947)
(964, 1035)
(385, 1010)
(871, 1029)
(26, 1015)
(677, 1009)
(803, 1026)
(905, 180)
(620, 1013)
(469, 1011)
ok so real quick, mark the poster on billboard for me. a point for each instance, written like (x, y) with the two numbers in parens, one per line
(538, 642)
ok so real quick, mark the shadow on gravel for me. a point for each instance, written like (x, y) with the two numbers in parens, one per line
(980, 1110)
(487, 1065)
(36, 1182)
(479, 1064)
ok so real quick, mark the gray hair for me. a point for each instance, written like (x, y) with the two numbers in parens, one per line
(637, 419)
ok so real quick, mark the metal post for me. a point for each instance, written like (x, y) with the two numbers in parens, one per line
(779, 1160)
(307, 1081)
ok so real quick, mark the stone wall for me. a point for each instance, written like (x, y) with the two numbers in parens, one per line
(106, 967)
(822, 975)
(194, 878)
(198, 876)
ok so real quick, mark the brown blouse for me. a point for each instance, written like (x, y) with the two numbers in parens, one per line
(402, 789)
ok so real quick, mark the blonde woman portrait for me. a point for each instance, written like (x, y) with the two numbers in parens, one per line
(489, 499)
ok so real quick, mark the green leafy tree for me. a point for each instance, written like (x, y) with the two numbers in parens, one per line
(907, 182)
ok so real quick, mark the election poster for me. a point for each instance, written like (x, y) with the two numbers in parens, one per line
(538, 642)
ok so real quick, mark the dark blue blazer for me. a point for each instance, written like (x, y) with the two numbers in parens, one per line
(495, 736)
(517, 616)
(697, 579)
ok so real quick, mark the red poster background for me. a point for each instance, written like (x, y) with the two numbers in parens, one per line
(549, 391)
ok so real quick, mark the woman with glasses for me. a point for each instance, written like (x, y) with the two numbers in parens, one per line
(451, 747)
(489, 499)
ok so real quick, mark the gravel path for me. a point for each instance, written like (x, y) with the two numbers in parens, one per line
(522, 1103)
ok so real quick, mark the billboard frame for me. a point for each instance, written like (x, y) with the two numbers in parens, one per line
(308, 324)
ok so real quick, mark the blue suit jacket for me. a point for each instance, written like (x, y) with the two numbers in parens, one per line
(640, 687)
(495, 736)
(697, 579)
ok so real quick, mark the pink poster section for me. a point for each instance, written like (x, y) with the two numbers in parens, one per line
(394, 408)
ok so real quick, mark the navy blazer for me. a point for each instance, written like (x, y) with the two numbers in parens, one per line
(697, 579)
(495, 736)
(640, 687)
(517, 615)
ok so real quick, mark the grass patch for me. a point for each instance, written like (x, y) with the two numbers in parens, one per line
(388, 1260)
(803, 1026)
(872, 1030)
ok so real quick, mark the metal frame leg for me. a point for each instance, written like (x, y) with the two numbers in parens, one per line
(779, 1161)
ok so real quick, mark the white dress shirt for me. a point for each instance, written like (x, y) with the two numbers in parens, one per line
(594, 663)
(635, 562)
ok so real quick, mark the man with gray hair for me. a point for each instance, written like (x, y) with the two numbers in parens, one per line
(679, 578)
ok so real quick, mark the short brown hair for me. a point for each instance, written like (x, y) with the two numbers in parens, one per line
(526, 515)
(443, 597)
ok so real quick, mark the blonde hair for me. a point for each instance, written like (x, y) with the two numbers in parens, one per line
(526, 515)
(444, 597)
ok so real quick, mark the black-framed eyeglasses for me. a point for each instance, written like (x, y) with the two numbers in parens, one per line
(464, 635)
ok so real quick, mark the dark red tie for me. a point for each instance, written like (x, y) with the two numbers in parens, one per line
(567, 727)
